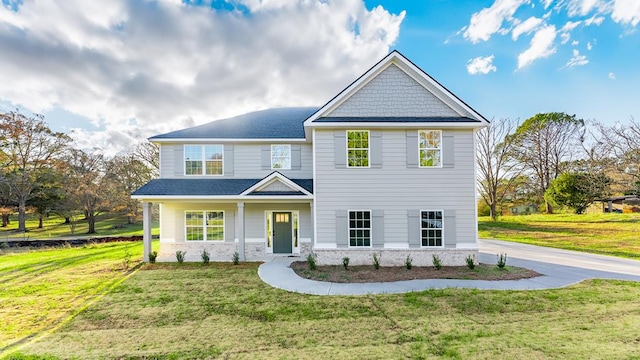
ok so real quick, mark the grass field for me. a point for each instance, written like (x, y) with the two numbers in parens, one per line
(608, 234)
(193, 311)
(55, 228)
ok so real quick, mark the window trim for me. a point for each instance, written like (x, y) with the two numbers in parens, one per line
(204, 159)
(205, 226)
(420, 150)
(290, 157)
(368, 149)
(349, 229)
(441, 228)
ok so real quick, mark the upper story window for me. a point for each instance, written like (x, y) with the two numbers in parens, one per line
(203, 159)
(430, 147)
(281, 157)
(357, 148)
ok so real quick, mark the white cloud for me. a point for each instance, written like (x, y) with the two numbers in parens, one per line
(547, 3)
(136, 68)
(626, 12)
(577, 59)
(481, 65)
(565, 31)
(525, 27)
(584, 7)
(575, 42)
(611, 76)
(488, 21)
(589, 46)
(594, 20)
(541, 46)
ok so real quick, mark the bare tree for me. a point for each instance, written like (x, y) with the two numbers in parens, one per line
(496, 168)
(624, 144)
(149, 154)
(125, 174)
(29, 148)
(545, 146)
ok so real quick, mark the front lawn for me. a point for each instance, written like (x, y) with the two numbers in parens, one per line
(196, 311)
(607, 234)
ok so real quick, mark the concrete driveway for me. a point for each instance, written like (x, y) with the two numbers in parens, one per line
(559, 268)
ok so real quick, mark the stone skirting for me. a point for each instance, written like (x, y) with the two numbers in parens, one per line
(222, 251)
(394, 257)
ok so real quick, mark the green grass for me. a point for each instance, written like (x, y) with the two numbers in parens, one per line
(195, 311)
(607, 234)
(55, 228)
(41, 288)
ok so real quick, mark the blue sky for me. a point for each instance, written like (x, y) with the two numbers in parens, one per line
(119, 71)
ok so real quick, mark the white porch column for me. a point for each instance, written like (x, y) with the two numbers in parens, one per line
(240, 231)
(311, 223)
(146, 230)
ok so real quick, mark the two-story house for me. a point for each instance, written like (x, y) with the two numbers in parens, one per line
(387, 166)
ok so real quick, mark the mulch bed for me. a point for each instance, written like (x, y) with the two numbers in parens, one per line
(367, 273)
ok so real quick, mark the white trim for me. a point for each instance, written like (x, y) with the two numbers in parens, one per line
(392, 57)
(475, 173)
(204, 226)
(441, 148)
(472, 246)
(271, 157)
(255, 240)
(325, 246)
(401, 125)
(272, 177)
(315, 188)
(157, 198)
(204, 161)
(303, 240)
(346, 133)
(441, 229)
(195, 141)
(396, 245)
(370, 229)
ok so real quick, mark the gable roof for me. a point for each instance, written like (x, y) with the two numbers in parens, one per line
(459, 107)
(278, 123)
(293, 187)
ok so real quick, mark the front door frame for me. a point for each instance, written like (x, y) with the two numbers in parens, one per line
(295, 237)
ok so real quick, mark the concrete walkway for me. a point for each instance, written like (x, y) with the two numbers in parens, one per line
(559, 268)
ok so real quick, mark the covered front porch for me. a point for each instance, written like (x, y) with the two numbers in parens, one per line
(272, 217)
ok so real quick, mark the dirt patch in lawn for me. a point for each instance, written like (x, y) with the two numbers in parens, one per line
(367, 273)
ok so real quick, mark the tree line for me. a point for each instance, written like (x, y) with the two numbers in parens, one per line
(556, 160)
(41, 171)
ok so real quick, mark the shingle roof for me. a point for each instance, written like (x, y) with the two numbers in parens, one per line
(205, 187)
(279, 123)
(401, 119)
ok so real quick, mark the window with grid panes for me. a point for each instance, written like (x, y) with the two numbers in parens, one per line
(359, 228)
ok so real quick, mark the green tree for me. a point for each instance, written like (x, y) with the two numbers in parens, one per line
(577, 190)
(544, 143)
(29, 148)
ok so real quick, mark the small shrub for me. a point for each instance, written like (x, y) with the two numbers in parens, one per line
(471, 262)
(205, 256)
(345, 262)
(126, 262)
(437, 262)
(502, 260)
(376, 261)
(153, 256)
(235, 258)
(180, 256)
(311, 261)
(408, 262)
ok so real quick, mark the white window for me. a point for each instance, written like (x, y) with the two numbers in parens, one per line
(203, 159)
(281, 157)
(359, 228)
(430, 147)
(204, 225)
(357, 148)
(431, 228)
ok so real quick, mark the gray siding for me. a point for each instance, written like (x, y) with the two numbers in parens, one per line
(397, 188)
(242, 161)
(255, 219)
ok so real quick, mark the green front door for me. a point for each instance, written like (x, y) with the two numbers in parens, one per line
(282, 233)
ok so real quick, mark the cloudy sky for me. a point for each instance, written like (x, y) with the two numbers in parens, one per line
(115, 72)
